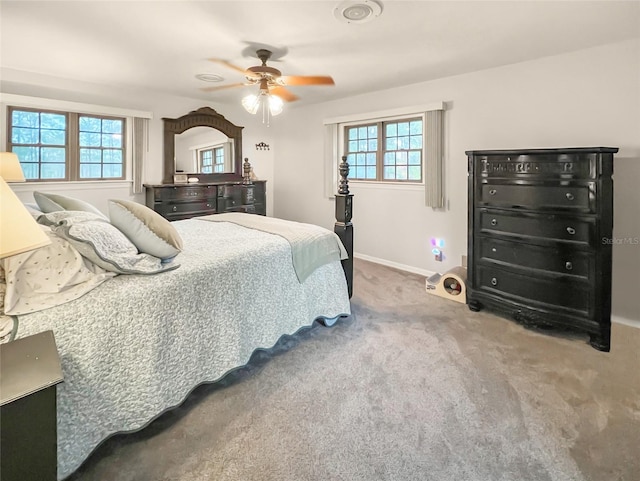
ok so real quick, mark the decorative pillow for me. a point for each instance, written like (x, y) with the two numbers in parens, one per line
(48, 276)
(55, 202)
(33, 209)
(102, 243)
(148, 230)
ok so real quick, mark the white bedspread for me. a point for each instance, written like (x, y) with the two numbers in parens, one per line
(137, 345)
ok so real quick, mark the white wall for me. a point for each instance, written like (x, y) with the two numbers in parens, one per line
(585, 98)
(160, 105)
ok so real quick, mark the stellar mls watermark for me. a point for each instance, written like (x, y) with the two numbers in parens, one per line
(634, 241)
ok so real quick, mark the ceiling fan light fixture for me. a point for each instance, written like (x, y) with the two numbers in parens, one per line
(357, 11)
(271, 105)
(275, 105)
(251, 103)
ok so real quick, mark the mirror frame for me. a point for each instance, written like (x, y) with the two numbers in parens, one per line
(203, 117)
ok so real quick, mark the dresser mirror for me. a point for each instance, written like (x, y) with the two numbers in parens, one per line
(202, 144)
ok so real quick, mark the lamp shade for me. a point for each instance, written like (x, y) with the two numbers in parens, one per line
(275, 105)
(19, 232)
(251, 103)
(10, 169)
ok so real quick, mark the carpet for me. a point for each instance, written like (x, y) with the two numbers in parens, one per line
(410, 387)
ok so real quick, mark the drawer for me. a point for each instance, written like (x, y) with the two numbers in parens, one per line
(561, 292)
(195, 207)
(561, 258)
(249, 209)
(576, 166)
(551, 226)
(186, 192)
(574, 198)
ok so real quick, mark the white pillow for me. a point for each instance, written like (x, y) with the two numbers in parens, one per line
(33, 209)
(102, 243)
(48, 276)
(148, 230)
(56, 202)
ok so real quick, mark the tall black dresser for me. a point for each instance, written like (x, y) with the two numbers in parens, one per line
(540, 227)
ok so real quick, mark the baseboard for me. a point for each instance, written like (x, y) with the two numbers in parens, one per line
(426, 273)
(395, 265)
(625, 321)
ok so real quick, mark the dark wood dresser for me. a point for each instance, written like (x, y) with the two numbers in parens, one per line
(540, 228)
(182, 201)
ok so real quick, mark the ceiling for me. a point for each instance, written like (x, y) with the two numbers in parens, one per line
(162, 45)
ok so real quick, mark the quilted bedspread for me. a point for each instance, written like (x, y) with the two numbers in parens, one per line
(311, 245)
(137, 345)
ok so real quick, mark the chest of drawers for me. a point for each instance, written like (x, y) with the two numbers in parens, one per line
(182, 201)
(539, 221)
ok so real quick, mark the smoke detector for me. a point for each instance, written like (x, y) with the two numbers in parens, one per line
(357, 11)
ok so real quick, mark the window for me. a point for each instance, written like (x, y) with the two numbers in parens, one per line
(57, 145)
(388, 151)
(211, 160)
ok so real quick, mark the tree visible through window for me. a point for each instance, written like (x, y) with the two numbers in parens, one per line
(66, 145)
(101, 149)
(385, 151)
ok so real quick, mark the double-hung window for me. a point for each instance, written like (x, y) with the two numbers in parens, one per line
(385, 151)
(211, 160)
(67, 146)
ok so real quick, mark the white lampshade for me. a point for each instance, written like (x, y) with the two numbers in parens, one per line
(19, 232)
(275, 104)
(264, 99)
(10, 169)
(251, 103)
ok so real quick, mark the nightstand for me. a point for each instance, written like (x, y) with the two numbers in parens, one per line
(29, 372)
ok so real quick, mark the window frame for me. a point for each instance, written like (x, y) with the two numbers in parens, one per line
(214, 149)
(381, 123)
(72, 142)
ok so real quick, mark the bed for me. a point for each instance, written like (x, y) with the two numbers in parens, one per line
(137, 345)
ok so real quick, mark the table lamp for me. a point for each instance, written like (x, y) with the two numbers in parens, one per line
(19, 232)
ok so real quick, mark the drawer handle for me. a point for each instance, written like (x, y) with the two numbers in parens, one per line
(494, 281)
(175, 208)
(568, 266)
(208, 205)
(493, 249)
(492, 192)
(494, 222)
(570, 196)
(571, 230)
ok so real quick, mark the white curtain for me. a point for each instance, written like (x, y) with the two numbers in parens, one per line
(140, 149)
(434, 162)
(330, 160)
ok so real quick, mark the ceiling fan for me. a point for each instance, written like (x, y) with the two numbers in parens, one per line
(270, 80)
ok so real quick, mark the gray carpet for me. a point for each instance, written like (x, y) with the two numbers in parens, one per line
(411, 387)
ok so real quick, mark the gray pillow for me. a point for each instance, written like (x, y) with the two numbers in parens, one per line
(55, 202)
(102, 243)
(148, 230)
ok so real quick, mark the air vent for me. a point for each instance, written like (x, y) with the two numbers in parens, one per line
(209, 77)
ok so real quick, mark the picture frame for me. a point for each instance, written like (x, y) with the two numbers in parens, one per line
(180, 178)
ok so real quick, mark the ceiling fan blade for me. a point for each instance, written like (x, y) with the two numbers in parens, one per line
(307, 80)
(283, 93)
(226, 63)
(222, 87)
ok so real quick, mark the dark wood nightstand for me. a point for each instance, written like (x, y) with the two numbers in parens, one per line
(29, 371)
